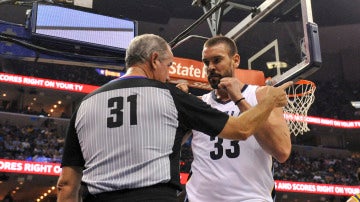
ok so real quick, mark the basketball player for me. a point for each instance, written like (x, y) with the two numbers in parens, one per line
(231, 170)
(356, 197)
(123, 142)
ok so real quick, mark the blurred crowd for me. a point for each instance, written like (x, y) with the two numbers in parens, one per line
(39, 144)
(320, 169)
(338, 95)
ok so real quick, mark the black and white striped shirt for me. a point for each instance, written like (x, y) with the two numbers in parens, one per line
(127, 134)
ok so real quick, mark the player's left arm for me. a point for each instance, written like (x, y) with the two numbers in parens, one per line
(274, 135)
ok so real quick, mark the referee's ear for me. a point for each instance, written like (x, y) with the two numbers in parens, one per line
(154, 58)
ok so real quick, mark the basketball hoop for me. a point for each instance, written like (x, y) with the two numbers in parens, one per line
(300, 98)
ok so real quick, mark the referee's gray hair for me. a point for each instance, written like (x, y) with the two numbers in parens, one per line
(141, 48)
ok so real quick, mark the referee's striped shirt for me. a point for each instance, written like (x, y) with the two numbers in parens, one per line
(127, 134)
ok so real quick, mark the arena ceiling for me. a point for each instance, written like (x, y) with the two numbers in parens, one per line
(326, 12)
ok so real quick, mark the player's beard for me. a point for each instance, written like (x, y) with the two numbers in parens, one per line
(215, 78)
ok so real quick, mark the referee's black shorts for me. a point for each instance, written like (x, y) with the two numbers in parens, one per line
(155, 193)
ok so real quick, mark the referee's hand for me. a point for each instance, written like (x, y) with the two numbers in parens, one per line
(183, 87)
(277, 95)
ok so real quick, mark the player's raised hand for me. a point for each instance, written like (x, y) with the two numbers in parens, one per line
(232, 86)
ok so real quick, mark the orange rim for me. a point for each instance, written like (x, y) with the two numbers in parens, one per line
(304, 82)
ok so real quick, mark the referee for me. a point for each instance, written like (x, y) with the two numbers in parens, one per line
(123, 142)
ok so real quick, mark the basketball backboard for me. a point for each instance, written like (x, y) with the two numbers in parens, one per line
(277, 37)
(281, 40)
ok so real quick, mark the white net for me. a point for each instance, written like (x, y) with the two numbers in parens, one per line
(300, 97)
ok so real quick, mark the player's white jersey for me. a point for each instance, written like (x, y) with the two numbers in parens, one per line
(231, 171)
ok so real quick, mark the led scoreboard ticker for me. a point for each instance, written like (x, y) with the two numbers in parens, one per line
(29, 167)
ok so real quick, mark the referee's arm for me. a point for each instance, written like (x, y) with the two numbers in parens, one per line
(68, 185)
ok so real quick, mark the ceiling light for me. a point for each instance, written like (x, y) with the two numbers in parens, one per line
(356, 104)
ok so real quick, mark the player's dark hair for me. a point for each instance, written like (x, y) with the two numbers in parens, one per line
(225, 40)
